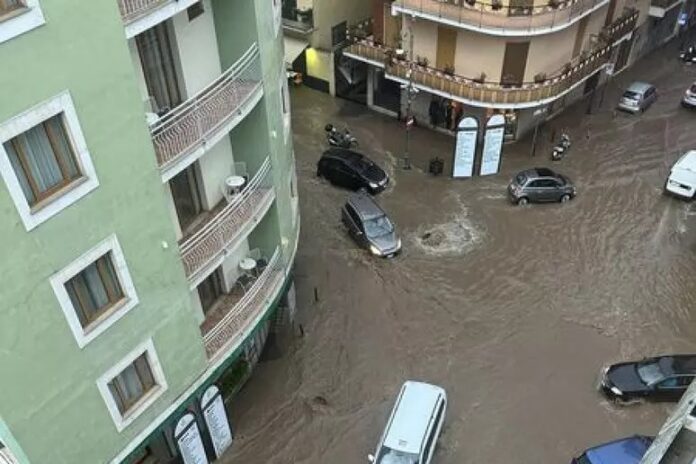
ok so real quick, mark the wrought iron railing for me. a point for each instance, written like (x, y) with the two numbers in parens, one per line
(210, 242)
(241, 315)
(191, 124)
(502, 17)
(495, 92)
(134, 9)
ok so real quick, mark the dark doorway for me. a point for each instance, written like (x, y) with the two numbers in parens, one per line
(187, 197)
(387, 93)
(350, 77)
(623, 55)
(514, 63)
(591, 84)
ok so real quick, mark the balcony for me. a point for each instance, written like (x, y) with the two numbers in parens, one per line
(659, 8)
(228, 223)
(140, 15)
(226, 326)
(183, 134)
(498, 17)
(493, 94)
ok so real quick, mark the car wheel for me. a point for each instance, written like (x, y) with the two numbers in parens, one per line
(523, 201)
(565, 198)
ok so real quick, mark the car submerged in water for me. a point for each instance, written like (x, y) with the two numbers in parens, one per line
(540, 185)
(662, 378)
(351, 170)
(628, 450)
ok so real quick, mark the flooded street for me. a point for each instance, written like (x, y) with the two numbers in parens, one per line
(513, 310)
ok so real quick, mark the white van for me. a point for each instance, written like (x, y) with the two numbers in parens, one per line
(414, 425)
(682, 177)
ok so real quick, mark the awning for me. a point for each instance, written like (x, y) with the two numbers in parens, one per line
(293, 49)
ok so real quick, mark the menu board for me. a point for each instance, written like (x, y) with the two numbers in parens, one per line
(216, 419)
(188, 439)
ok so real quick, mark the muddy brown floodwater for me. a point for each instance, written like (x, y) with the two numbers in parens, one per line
(512, 310)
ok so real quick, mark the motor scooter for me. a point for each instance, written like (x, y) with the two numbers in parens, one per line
(560, 149)
(340, 139)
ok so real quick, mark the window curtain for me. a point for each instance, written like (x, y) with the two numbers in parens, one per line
(19, 171)
(88, 293)
(157, 59)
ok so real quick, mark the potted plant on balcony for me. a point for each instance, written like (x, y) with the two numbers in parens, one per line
(449, 70)
(554, 3)
(540, 77)
(480, 79)
(470, 2)
(496, 5)
(422, 61)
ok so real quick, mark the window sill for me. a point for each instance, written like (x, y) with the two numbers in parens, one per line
(21, 20)
(44, 202)
(13, 13)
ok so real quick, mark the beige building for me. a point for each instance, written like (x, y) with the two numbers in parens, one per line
(526, 59)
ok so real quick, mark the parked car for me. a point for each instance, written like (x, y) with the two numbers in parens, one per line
(352, 170)
(689, 98)
(638, 97)
(663, 378)
(539, 185)
(628, 450)
(682, 177)
(370, 226)
(414, 425)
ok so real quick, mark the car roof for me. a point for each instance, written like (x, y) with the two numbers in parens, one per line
(409, 424)
(679, 364)
(538, 172)
(687, 161)
(365, 205)
(344, 154)
(628, 450)
(639, 87)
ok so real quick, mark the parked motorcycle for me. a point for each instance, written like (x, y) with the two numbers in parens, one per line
(560, 149)
(688, 55)
(340, 139)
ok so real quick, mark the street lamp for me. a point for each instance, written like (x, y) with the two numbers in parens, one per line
(411, 92)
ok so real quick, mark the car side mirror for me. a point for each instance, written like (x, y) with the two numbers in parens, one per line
(370, 458)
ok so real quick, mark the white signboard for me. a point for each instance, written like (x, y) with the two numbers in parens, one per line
(493, 145)
(216, 420)
(465, 148)
(188, 439)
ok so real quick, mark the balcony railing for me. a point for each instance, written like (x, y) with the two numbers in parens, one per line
(205, 246)
(498, 17)
(134, 9)
(241, 314)
(191, 124)
(493, 92)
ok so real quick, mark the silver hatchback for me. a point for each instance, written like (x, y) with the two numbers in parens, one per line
(540, 185)
(638, 97)
(369, 225)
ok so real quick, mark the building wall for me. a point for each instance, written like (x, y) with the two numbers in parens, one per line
(549, 52)
(50, 401)
(479, 53)
(329, 13)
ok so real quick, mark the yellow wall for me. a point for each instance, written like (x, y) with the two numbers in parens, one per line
(318, 63)
(477, 53)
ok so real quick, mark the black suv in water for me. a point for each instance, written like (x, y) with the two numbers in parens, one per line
(663, 378)
(350, 169)
(540, 184)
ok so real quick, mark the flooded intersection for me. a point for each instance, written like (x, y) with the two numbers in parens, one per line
(513, 310)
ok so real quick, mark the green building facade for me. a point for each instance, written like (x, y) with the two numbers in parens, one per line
(149, 222)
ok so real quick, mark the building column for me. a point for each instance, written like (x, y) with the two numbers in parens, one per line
(370, 86)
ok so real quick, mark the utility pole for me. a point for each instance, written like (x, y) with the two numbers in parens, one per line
(411, 92)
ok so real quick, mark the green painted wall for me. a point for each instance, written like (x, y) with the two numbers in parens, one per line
(50, 401)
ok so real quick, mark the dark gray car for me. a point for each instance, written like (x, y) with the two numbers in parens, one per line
(539, 185)
(369, 225)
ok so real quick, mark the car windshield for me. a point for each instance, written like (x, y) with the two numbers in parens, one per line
(631, 95)
(390, 456)
(378, 226)
(520, 179)
(650, 372)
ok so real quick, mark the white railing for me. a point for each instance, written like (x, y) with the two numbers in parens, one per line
(134, 9)
(207, 244)
(191, 124)
(240, 317)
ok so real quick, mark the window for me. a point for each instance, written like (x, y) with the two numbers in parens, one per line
(427, 449)
(156, 52)
(210, 290)
(95, 290)
(18, 17)
(8, 6)
(133, 385)
(43, 160)
(6, 456)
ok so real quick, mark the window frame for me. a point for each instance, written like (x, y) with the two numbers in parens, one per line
(115, 298)
(33, 216)
(108, 317)
(123, 420)
(20, 20)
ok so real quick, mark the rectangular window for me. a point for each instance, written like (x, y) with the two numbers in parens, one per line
(95, 290)
(43, 159)
(195, 11)
(134, 382)
(210, 290)
(6, 6)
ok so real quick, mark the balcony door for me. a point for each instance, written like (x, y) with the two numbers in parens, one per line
(446, 47)
(187, 197)
(210, 290)
(514, 63)
(159, 67)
